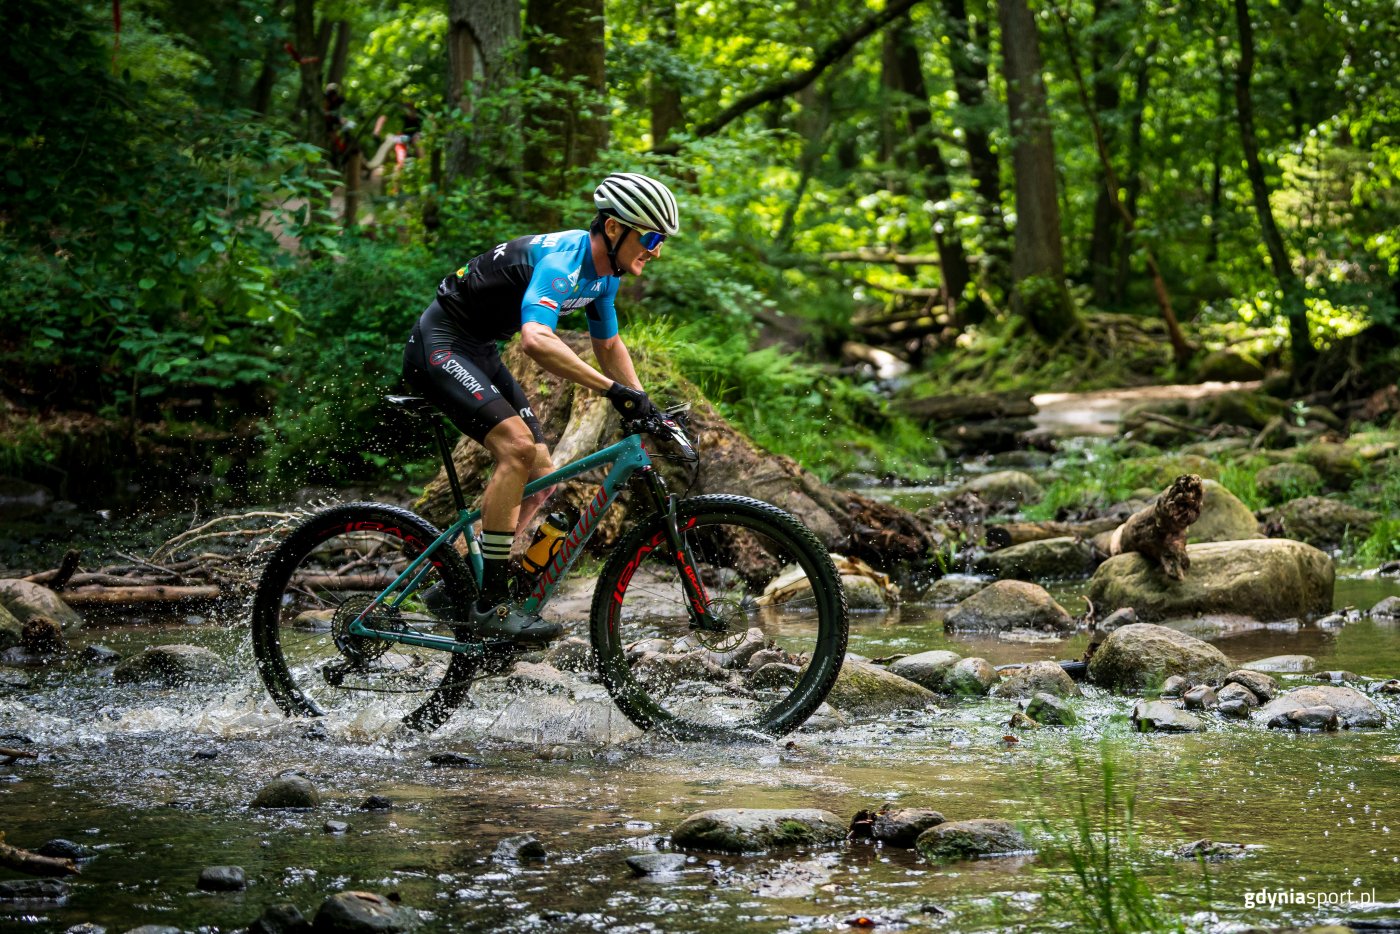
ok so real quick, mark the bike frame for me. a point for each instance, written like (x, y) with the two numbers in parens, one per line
(627, 457)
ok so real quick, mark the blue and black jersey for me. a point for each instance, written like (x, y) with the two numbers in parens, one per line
(534, 278)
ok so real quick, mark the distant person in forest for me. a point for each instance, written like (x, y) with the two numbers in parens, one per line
(524, 285)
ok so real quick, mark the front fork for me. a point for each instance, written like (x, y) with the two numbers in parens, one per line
(697, 600)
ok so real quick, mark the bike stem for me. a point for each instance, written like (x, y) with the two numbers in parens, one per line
(697, 600)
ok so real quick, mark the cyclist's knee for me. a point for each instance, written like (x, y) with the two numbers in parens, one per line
(515, 450)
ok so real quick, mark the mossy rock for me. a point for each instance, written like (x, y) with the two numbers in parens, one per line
(1340, 465)
(1228, 366)
(1278, 483)
(866, 690)
(753, 830)
(969, 839)
(1157, 472)
(1247, 409)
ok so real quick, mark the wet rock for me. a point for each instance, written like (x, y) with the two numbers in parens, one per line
(970, 677)
(1175, 686)
(968, 839)
(774, 675)
(34, 893)
(454, 760)
(1051, 710)
(222, 879)
(99, 655)
(358, 913)
(926, 668)
(1047, 559)
(1381, 687)
(519, 848)
(902, 826)
(1354, 709)
(863, 594)
(955, 588)
(1224, 518)
(41, 635)
(1389, 608)
(1009, 605)
(537, 676)
(656, 864)
(768, 656)
(11, 629)
(1279, 483)
(1236, 709)
(541, 720)
(377, 803)
(1022, 721)
(59, 848)
(155, 929)
(171, 665)
(284, 918)
(335, 826)
(1159, 717)
(1323, 522)
(289, 791)
(571, 654)
(1004, 489)
(736, 657)
(24, 600)
(1212, 850)
(1042, 677)
(1200, 697)
(87, 927)
(1119, 618)
(1259, 684)
(645, 646)
(1265, 579)
(866, 690)
(1238, 692)
(1142, 656)
(1282, 664)
(1306, 718)
(749, 830)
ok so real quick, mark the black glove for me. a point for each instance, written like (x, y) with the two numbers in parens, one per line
(631, 403)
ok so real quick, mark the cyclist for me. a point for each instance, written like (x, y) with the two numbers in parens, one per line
(524, 285)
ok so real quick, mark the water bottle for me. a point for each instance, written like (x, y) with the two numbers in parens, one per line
(548, 540)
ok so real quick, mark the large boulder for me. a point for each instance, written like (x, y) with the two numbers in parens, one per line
(866, 690)
(1047, 559)
(1323, 522)
(171, 665)
(928, 669)
(1224, 517)
(1266, 579)
(11, 629)
(1005, 489)
(359, 913)
(1354, 709)
(1143, 656)
(25, 600)
(955, 588)
(1008, 605)
(968, 839)
(1042, 677)
(752, 830)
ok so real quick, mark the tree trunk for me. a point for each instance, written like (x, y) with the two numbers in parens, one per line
(311, 96)
(665, 91)
(481, 36)
(340, 54)
(567, 133)
(1304, 354)
(1133, 182)
(1037, 263)
(260, 99)
(1105, 47)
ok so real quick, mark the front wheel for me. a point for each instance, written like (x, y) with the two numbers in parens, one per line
(777, 612)
(326, 574)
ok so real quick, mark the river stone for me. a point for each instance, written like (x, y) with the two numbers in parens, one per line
(335, 827)
(970, 677)
(1175, 686)
(1043, 677)
(1306, 718)
(25, 599)
(863, 593)
(1354, 708)
(51, 893)
(1325, 522)
(58, 848)
(955, 588)
(1339, 464)
(170, 665)
(1119, 618)
(1009, 605)
(223, 879)
(750, 830)
(571, 654)
(902, 826)
(1266, 579)
(736, 657)
(968, 839)
(1282, 664)
(452, 759)
(1259, 684)
(656, 864)
(1004, 488)
(358, 913)
(1212, 850)
(11, 629)
(519, 848)
(926, 668)
(1046, 559)
(1389, 608)
(1279, 483)
(866, 690)
(1238, 692)
(1051, 710)
(289, 791)
(1200, 697)
(775, 675)
(1236, 708)
(99, 655)
(1161, 717)
(1142, 656)
(283, 918)
(1224, 518)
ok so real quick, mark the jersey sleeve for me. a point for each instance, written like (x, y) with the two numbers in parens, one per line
(549, 287)
(602, 314)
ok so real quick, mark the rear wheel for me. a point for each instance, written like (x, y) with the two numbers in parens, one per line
(772, 589)
(326, 573)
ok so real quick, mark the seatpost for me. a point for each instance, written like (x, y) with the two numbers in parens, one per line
(448, 465)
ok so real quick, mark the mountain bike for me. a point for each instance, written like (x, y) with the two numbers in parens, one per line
(365, 606)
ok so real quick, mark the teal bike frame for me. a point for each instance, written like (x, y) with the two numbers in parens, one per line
(626, 457)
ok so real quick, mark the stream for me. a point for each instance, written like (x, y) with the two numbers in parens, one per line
(158, 782)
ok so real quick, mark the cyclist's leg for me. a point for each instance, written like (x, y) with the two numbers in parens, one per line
(505, 381)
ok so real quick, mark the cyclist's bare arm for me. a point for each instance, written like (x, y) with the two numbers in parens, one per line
(544, 347)
(615, 361)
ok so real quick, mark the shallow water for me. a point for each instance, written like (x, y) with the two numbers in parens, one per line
(119, 773)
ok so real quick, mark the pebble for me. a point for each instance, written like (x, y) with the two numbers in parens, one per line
(656, 864)
(335, 826)
(223, 879)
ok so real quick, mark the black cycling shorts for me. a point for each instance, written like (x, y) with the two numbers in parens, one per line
(464, 376)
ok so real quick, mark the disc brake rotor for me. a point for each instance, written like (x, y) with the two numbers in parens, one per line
(359, 649)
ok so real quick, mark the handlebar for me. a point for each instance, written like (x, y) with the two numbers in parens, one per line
(669, 428)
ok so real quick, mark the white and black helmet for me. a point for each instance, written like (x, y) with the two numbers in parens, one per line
(638, 201)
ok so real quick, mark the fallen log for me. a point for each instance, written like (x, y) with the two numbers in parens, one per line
(1158, 532)
(960, 408)
(13, 754)
(1018, 533)
(121, 596)
(12, 857)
